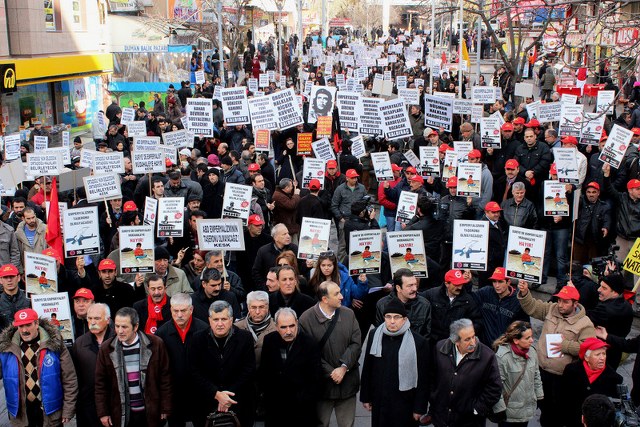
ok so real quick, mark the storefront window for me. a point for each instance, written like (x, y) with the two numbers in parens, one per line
(50, 15)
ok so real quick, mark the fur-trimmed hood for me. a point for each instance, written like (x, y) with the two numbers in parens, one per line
(49, 337)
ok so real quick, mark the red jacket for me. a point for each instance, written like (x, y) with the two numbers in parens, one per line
(382, 199)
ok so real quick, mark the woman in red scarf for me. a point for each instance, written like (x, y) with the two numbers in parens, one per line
(587, 376)
(521, 383)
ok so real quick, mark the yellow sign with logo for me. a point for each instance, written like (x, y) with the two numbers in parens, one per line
(8, 73)
(632, 261)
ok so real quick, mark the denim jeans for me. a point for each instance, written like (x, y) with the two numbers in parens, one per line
(391, 223)
(557, 247)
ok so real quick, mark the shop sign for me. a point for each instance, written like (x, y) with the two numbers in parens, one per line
(626, 36)
(8, 76)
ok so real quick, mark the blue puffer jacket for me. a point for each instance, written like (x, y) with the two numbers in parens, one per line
(349, 289)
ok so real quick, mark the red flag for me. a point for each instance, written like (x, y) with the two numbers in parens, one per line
(444, 58)
(53, 235)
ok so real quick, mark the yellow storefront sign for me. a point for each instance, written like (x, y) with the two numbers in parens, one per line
(41, 70)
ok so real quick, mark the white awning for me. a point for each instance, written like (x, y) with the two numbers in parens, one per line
(270, 5)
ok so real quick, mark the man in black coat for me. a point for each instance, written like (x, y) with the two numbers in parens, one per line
(613, 312)
(497, 242)
(155, 308)
(310, 204)
(593, 226)
(222, 363)
(363, 217)
(255, 237)
(177, 335)
(211, 291)
(114, 293)
(535, 159)
(296, 374)
(288, 294)
(266, 256)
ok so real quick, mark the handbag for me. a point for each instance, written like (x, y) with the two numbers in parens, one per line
(222, 419)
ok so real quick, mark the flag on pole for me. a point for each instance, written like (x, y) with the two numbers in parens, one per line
(465, 54)
(53, 236)
(444, 58)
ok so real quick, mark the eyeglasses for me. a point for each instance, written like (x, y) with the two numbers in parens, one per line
(392, 317)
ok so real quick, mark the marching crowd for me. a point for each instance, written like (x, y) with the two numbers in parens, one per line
(276, 338)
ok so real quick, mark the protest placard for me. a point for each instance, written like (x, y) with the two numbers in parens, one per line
(40, 143)
(438, 112)
(616, 146)
(365, 254)
(237, 201)
(409, 96)
(148, 162)
(483, 94)
(150, 211)
(263, 80)
(469, 179)
(314, 237)
(81, 231)
(287, 108)
(549, 112)
(592, 127)
(450, 165)
(570, 120)
(412, 159)
(263, 113)
(462, 150)
(555, 199)
(313, 169)
(395, 119)
(128, 115)
(199, 77)
(108, 162)
(262, 140)
(170, 217)
(235, 106)
(490, 132)
(567, 165)
(305, 140)
(349, 109)
(136, 249)
(178, 138)
(86, 158)
(40, 273)
(323, 126)
(606, 101)
(146, 143)
(406, 250)
(462, 106)
(44, 164)
(382, 166)
(470, 245)
(322, 149)
(525, 254)
(524, 90)
(252, 84)
(371, 122)
(102, 187)
(477, 113)
(137, 129)
(632, 261)
(429, 161)
(358, 148)
(407, 207)
(567, 98)
(220, 234)
(200, 116)
(55, 308)
(12, 146)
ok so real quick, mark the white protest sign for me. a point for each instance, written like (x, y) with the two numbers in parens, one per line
(555, 199)
(200, 77)
(137, 128)
(406, 250)
(11, 174)
(322, 149)
(412, 158)
(56, 309)
(81, 231)
(462, 150)
(401, 82)
(592, 128)
(170, 152)
(200, 116)
(409, 96)
(170, 216)
(237, 201)
(12, 146)
(396, 119)
(252, 84)
(438, 112)
(533, 107)
(40, 143)
(287, 108)
(178, 138)
(314, 237)
(365, 252)
(64, 152)
(606, 101)
(358, 148)
(549, 112)
(469, 179)
(490, 132)
(235, 106)
(524, 90)
(470, 245)
(136, 249)
(616, 146)
(371, 122)
(567, 165)
(150, 211)
(86, 157)
(570, 120)
(263, 80)
(147, 143)
(108, 162)
(313, 169)
(450, 165)
(483, 94)
(148, 162)
(525, 254)
(349, 109)
(102, 187)
(382, 166)
(66, 138)
(263, 113)
(462, 106)
(128, 115)
(44, 164)
(567, 98)
(40, 273)
(220, 234)
(407, 207)
(429, 161)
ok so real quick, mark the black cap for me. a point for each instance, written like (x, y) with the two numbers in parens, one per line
(395, 306)
(161, 253)
(226, 160)
(615, 282)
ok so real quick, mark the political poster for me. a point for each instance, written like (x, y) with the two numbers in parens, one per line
(322, 149)
(592, 127)
(412, 159)
(395, 119)
(262, 140)
(401, 83)
(525, 254)
(56, 309)
(462, 150)
(407, 207)
(490, 136)
(237, 201)
(263, 80)
(128, 115)
(524, 90)
(40, 143)
(438, 112)
(429, 161)
(477, 113)
(406, 250)
(86, 158)
(616, 145)
(349, 109)
(632, 261)
(137, 129)
(81, 231)
(323, 126)
(409, 96)
(252, 84)
(305, 140)
(287, 108)
(314, 237)
(200, 116)
(150, 211)
(235, 106)
(462, 106)
(102, 187)
(64, 152)
(568, 98)
(44, 164)
(144, 162)
(366, 252)
(450, 165)
(313, 169)
(12, 147)
(200, 77)
(606, 101)
(358, 148)
(170, 217)
(469, 179)
(11, 174)
(567, 165)
(146, 143)
(483, 94)
(555, 199)
(136, 249)
(220, 234)
(549, 112)
(470, 245)
(263, 113)
(170, 152)
(382, 166)
(371, 122)
(41, 273)
(108, 162)
(178, 138)
(570, 120)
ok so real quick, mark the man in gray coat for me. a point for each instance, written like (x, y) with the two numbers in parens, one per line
(343, 197)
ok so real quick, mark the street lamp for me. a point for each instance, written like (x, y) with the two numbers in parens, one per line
(220, 46)
(280, 5)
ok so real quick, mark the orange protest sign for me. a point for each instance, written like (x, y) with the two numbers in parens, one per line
(324, 126)
(263, 139)
(304, 143)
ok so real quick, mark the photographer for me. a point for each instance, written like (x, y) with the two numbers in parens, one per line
(598, 411)
(363, 217)
(631, 345)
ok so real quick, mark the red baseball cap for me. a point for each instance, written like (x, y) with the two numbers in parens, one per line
(474, 154)
(433, 132)
(569, 140)
(332, 164)
(507, 127)
(452, 182)
(8, 270)
(417, 178)
(594, 184)
(444, 147)
(633, 183)
(554, 169)
(255, 220)
(395, 167)
(130, 206)
(512, 164)
(498, 274)
(24, 317)
(351, 173)
(455, 277)
(568, 292)
(314, 184)
(253, 167)
(84, 293)
(492, 207)
(411, 169)
(518, 121)
(106, 264)
(50, 252)
(533, 123)
(636, 131)
(168, 163)
(591, 343)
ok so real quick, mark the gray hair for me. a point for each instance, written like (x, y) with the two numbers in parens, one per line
(456, 327)
(552, 132)
(105, 307)
(181, 299)
(276, 229)
(219, 307)
(284, 183)
(210, 255)
(285, 311)
(131, 313)
(257, 296)
(517, 186)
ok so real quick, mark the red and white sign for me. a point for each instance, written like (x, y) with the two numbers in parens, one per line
(626, 36)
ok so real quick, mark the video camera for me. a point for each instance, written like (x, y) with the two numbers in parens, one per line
(599, 264)
(626, 411)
